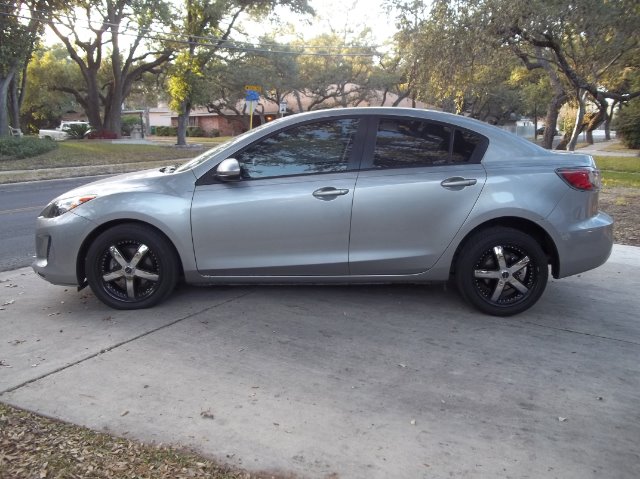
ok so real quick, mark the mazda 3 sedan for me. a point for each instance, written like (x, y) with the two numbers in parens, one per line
(357, 195)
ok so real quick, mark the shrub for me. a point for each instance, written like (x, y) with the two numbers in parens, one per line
(128, 123)
(77, 131)
(102, 135)
(213, 133)
(627, 124)
(166, 131)
(25, 147)
(195, 131)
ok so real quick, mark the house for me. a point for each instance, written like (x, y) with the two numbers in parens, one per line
(233, 121)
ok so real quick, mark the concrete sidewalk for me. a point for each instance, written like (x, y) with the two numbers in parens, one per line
(608, 148)
(359, 382)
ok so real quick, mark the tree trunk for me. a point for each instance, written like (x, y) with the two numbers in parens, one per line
(551, 120)
(14, 104)
(607, 120)
(4, 90)
(577, 128)
(183, 122)
(113, 111)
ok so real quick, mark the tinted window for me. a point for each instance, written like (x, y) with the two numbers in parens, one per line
(464, 146)
(407, 143)
(320, 147)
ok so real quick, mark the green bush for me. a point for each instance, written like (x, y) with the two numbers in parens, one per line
(25, 147)
(214, 133)
(166, 131)
(77, 131)
(195, 131)
(127, 123)
(627, 124)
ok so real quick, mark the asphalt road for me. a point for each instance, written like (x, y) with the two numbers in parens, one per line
(21, 203)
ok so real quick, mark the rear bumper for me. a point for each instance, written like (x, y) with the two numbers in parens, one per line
(584, 245)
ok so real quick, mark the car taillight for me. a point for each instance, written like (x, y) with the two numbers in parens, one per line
(585, 179)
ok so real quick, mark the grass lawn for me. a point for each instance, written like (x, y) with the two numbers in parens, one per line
(96, 152)
(619, 170)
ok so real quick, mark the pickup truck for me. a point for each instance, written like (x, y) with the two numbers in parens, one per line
(60, 132)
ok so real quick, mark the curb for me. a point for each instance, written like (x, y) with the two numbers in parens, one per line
(18, 176)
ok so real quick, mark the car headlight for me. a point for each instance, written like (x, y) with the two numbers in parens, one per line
(62, 205)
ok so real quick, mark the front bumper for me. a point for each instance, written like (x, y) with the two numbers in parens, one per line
(58, 241)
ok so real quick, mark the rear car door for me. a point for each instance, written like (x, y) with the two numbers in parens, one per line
(290, 213)
(418, 183)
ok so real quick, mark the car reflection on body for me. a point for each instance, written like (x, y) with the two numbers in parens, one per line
(358, 195)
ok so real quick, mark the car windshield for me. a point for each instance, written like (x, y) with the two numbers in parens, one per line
(198, 160)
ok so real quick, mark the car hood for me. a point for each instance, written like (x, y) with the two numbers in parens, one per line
(146, 180)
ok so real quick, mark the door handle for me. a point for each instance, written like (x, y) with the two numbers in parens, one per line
(329, 193)
(458, 182)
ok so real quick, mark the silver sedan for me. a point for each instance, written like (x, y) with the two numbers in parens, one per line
(358, 195)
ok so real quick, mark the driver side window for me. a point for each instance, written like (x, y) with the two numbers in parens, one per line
(318, 147)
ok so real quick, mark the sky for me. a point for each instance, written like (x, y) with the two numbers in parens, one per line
(336, 15)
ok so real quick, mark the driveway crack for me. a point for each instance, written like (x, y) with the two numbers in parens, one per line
(582, 333)
(122, 343)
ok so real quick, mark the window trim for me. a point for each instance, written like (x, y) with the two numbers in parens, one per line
(353, 163)
(374, 124)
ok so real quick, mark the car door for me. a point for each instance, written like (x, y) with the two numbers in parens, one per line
(290, 212)
(418, 183)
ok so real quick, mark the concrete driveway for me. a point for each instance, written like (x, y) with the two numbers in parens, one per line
(350, 382)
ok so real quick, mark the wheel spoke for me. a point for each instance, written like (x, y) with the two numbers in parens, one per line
(146, 275)
(131, 293)
(498, 291)
(115, 254)
(518, 285)
(142, 250)
(113, 275)
(499, 253)
(486, 274)
(523, 263)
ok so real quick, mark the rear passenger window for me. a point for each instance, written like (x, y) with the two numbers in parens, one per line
(465, 145)
(414, 143)
(411, 143)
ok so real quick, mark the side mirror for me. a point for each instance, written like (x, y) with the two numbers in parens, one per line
(228, 170)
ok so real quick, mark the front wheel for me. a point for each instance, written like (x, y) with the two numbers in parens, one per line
(131, 266)
(502, 271)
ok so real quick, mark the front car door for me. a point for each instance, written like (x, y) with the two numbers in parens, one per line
(290, 213)
(418, 183)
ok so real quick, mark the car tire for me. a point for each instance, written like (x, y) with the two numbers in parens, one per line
(131, 266)
(501, 271)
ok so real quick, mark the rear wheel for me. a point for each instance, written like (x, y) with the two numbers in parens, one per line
(131, 266)
(502, 271)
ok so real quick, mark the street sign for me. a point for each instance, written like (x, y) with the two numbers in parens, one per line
(256, 88)
(252, 95)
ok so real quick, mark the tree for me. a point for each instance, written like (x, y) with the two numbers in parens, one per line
(43, 104)
(337, 73)
(585, 42)
(208, 25)
(123, 62)
(581, 46)
(453, 64)
(20, 27)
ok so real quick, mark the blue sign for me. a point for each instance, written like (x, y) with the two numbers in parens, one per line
(252, 95)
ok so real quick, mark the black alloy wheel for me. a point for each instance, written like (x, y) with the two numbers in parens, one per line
(131, 266)
(502, 271)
